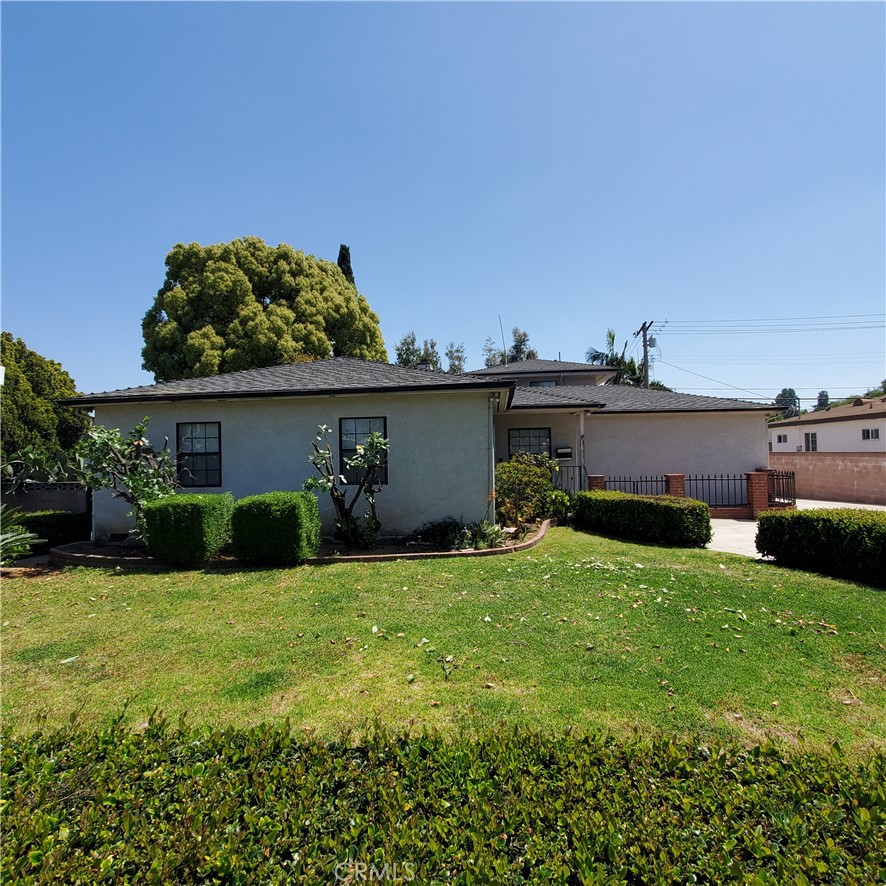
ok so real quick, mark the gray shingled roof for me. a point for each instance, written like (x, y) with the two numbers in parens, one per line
(532, 367)
(621, 398)
(333, 376)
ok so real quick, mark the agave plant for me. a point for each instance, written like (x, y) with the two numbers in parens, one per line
(15, 540)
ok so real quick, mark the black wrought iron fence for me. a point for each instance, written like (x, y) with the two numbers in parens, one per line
(782, 488)
(570, 478)
(637, 485)
(721, 490)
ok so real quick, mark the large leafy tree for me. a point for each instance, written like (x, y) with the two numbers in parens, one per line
(626, 370)
(246, 304)
(30, 415)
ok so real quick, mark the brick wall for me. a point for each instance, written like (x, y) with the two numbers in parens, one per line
(858, 477)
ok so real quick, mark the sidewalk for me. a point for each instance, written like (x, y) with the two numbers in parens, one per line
(737, 536)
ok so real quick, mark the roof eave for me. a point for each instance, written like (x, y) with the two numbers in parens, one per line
(91, 401)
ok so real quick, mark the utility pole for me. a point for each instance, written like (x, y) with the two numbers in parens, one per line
(644, 331)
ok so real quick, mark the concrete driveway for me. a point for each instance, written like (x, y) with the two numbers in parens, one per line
(737, 536)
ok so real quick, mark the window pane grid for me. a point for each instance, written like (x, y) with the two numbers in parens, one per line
(199, 454)
(353, 433)
(533, 440)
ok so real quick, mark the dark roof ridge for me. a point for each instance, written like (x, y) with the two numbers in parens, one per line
(539, 365)
(333, 375)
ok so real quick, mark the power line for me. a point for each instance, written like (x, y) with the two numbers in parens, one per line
(717, 380)
(774, 325)
(781, 319)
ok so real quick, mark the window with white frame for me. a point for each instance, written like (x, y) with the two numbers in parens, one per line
(198, 458)
(870, 433)
(781, 438)
(352, 433)
(534, 440)
(810, 441)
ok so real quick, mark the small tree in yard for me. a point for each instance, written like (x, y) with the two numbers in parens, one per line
(369, 462)
(129, 466)
(522, 488)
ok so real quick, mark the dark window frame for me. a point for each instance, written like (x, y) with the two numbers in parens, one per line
(512, 450)
(543, 383)
(347, 453)
(181, 471)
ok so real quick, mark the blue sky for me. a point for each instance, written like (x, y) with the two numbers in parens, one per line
(569, 167)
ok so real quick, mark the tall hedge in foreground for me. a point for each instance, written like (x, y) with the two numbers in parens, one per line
(843, 542)
(660, 519)
(186, 530)
(270, 804)
(276, 528)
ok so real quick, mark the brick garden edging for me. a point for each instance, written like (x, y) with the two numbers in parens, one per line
(77, 554)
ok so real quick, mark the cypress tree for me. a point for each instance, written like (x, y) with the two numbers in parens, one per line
(344, 262)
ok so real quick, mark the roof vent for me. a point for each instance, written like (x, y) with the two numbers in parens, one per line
(423, 365)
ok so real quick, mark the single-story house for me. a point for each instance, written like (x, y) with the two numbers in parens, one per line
(248, 432)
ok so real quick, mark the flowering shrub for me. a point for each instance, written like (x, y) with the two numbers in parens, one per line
(369, 462)
(129, 466)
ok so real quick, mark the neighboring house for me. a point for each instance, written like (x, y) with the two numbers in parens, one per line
(617, 430)
(859, 426)
(248, 432)
(837, 454)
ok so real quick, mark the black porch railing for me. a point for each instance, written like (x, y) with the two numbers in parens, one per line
(637, 485)
(571, 478)
(723, 490)
(782, 488)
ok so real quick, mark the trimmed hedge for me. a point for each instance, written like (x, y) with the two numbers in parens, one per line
(57, 527)
(186, 530)
(661, 519)
(843, 542)
(269, 804)
(276, 528)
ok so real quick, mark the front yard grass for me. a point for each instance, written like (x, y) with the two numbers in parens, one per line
(580, 632)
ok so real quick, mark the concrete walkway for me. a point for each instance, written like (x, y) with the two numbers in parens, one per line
(737, 536)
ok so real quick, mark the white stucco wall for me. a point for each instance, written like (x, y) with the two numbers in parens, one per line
(651, 443)
(835, 436)
(685, 443)
(440, 458)
(563, 426)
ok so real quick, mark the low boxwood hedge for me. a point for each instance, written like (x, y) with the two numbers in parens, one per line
(271, 805)
(276, 528)
(186, 530)
(842, 542)
(661, 519)
(57, 527)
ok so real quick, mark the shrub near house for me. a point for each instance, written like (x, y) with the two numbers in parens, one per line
(186, 530)
(276, 528)
(660, 519)
(847, 543)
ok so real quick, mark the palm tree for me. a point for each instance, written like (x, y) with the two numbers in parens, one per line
(626, 369)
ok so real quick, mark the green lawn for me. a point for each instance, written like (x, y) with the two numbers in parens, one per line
(580, 631)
